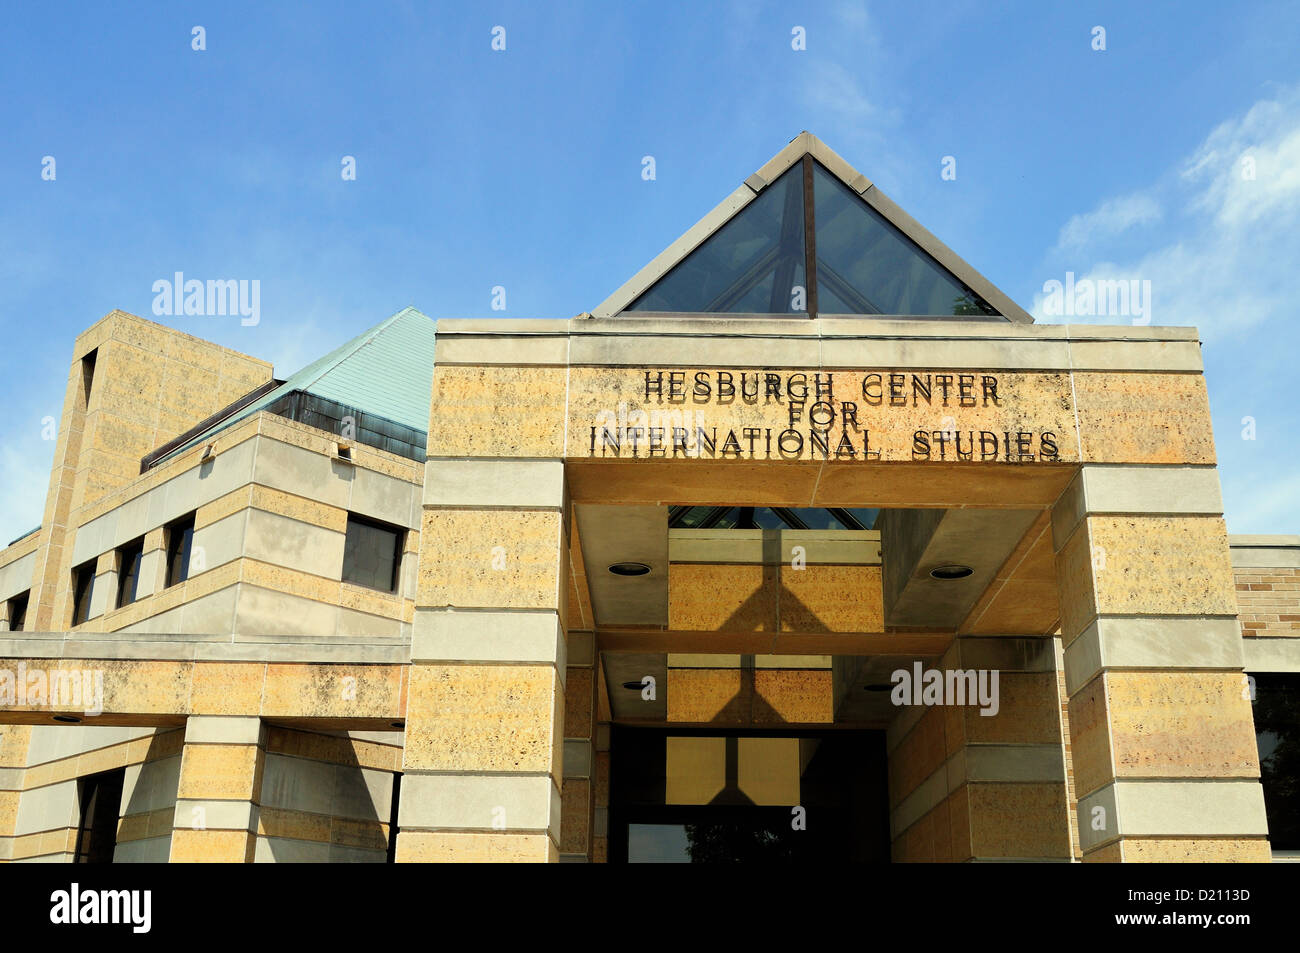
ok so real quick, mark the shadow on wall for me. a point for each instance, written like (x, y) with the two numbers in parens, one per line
(319, 803)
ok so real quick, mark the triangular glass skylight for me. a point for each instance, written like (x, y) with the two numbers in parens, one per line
(865, 265)
(757, 262)
(770, 517)
(753, 264)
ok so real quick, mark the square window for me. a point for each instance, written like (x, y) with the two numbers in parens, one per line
(372, 554)
(83, 589)
(180, 539)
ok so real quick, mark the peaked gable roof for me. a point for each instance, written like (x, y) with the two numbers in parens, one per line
(945, 274)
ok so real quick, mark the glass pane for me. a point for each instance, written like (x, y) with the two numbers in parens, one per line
(130, 579)
(84, 592)
(710, 517)
(729, 520)
(180, 539)
(692, 518)
(751, 265)
(867, 517)
(817, 518)
(865, 265)
(370, 556)
(658, 844)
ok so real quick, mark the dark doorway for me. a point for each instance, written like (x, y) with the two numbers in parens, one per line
(1277, 732)
(703, 796)
(101, 802)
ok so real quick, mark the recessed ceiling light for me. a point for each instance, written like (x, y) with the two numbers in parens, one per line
(629, 569)
(951, 572)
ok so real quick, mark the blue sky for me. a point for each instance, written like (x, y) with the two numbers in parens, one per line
(522, 168)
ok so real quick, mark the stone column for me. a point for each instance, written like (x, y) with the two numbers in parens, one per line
(578, 790)
(220, 789)
(484, 747)
(103, 596)
(13, 765)
(153, 564)
(1164, 752)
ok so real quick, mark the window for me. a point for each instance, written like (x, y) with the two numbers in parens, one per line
(100, 796)
(18, 611)
(83, 589)
(180, 538)
(1277, 732)
(128, 572)
(372, 554)
(769, 517)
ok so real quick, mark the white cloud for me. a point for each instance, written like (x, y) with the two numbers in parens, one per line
(835, 91)
(1108, 219)
(1223, 258)
(1251, 165)
(847, 95)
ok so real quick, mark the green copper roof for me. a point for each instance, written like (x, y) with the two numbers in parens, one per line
(386, 371)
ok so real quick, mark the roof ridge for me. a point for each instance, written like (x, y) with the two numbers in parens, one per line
(371, 336)
(346, 350)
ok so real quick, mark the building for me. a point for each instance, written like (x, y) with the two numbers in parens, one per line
(806, 543)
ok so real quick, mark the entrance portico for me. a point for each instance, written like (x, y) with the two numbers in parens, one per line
(1100, 587)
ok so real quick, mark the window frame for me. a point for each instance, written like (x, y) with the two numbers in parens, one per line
(399, 549)
(132, 551)
(83, 591)
(176, 575)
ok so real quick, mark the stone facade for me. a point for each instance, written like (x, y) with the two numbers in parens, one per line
(266, 710)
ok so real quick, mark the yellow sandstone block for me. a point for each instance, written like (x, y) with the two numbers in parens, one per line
(211, 847)
(483, 718)
(218, 772)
